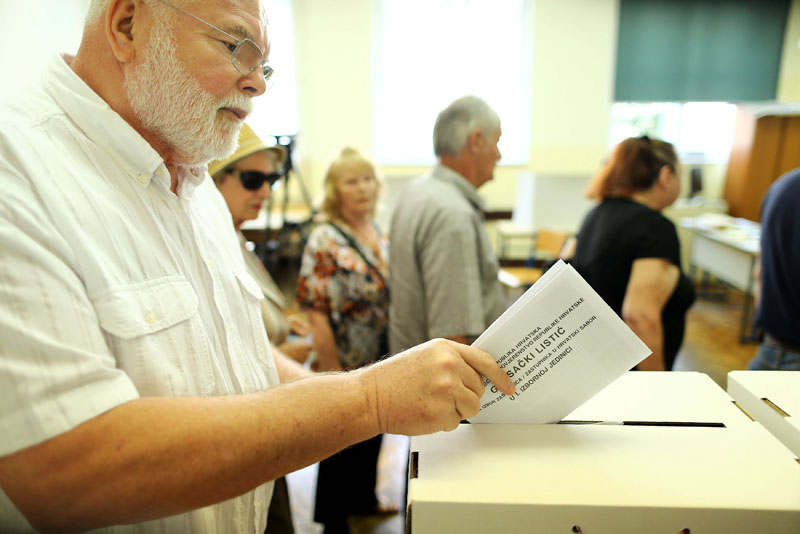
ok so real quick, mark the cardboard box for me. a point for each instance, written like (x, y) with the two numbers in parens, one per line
(773, 399)
(594, 478)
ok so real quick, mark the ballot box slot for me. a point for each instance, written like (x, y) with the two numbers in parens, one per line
(413, 465)
(691, 424)
(413, 472)
(775, 407)
(743, 410)
(576, 529)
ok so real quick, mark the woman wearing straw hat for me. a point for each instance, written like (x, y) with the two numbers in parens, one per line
(245, 180)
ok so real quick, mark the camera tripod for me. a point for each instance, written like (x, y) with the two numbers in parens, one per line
(273, 246)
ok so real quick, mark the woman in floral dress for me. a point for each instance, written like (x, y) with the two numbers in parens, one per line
(343, 286)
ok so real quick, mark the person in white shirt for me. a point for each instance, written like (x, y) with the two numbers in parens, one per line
(138, 392)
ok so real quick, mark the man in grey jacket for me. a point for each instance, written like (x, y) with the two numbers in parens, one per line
(443, 268)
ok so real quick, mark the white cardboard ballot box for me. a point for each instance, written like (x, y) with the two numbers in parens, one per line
(726, 475)
(773, 399)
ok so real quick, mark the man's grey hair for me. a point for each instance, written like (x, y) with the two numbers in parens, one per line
(458, 120)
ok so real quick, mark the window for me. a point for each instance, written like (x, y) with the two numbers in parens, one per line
(702, 132)
(430, 52)
(275, 112)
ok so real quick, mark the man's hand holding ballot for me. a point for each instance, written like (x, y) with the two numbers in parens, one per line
(559, 344)
(458, 379)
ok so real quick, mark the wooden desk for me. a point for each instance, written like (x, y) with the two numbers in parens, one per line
(519, 277)
(727, 248)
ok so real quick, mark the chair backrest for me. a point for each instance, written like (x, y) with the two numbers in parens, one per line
(549, 242)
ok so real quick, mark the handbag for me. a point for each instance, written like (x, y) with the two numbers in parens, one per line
(384, 343)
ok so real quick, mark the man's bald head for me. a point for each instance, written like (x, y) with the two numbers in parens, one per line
(166, 67)
(98, 7)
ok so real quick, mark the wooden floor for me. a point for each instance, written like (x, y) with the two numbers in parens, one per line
(711, 345)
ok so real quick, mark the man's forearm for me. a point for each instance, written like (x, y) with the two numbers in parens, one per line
(156, 457)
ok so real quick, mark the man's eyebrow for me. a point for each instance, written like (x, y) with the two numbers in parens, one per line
(238, 31)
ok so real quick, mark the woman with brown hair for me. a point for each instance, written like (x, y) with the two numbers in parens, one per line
(629, 252)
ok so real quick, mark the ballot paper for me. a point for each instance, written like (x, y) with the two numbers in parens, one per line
(560, 343)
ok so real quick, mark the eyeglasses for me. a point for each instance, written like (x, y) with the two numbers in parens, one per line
(246, 56)
(254, 180)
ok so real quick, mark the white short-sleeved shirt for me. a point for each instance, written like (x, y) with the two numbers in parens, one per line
(111, 286)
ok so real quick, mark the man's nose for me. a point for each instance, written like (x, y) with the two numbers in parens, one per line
(254, 83)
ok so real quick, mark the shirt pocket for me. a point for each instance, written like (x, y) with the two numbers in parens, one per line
(156, 334)
(254, 336)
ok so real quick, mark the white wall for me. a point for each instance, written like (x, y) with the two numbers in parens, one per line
(789, 77)
(333, 43)
(574, 58)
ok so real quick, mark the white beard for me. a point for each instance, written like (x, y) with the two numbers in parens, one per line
(171, 104)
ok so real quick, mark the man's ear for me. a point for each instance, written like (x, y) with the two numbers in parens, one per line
(475, 141)
(119, 23)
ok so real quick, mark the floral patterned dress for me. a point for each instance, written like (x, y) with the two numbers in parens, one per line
(336, 281)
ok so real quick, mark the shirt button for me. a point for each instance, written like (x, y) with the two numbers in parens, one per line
(150, 317)
(143, 178)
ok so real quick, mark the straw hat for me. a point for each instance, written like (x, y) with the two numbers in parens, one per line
(249, 143)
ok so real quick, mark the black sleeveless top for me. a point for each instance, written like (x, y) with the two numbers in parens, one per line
(613, 235)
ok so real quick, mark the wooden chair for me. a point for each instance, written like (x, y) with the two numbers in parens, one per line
(546, 245)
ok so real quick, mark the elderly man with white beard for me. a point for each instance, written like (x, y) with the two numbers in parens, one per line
(138, 392)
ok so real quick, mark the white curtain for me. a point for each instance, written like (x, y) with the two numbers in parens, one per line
(430, 52)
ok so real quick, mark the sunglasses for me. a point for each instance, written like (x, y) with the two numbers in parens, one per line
(254, 180)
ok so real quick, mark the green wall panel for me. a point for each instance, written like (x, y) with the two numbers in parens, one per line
(699, 50)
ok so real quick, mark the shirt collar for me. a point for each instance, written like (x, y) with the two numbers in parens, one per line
(107, 128)
(189, 178)
(446, 174)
